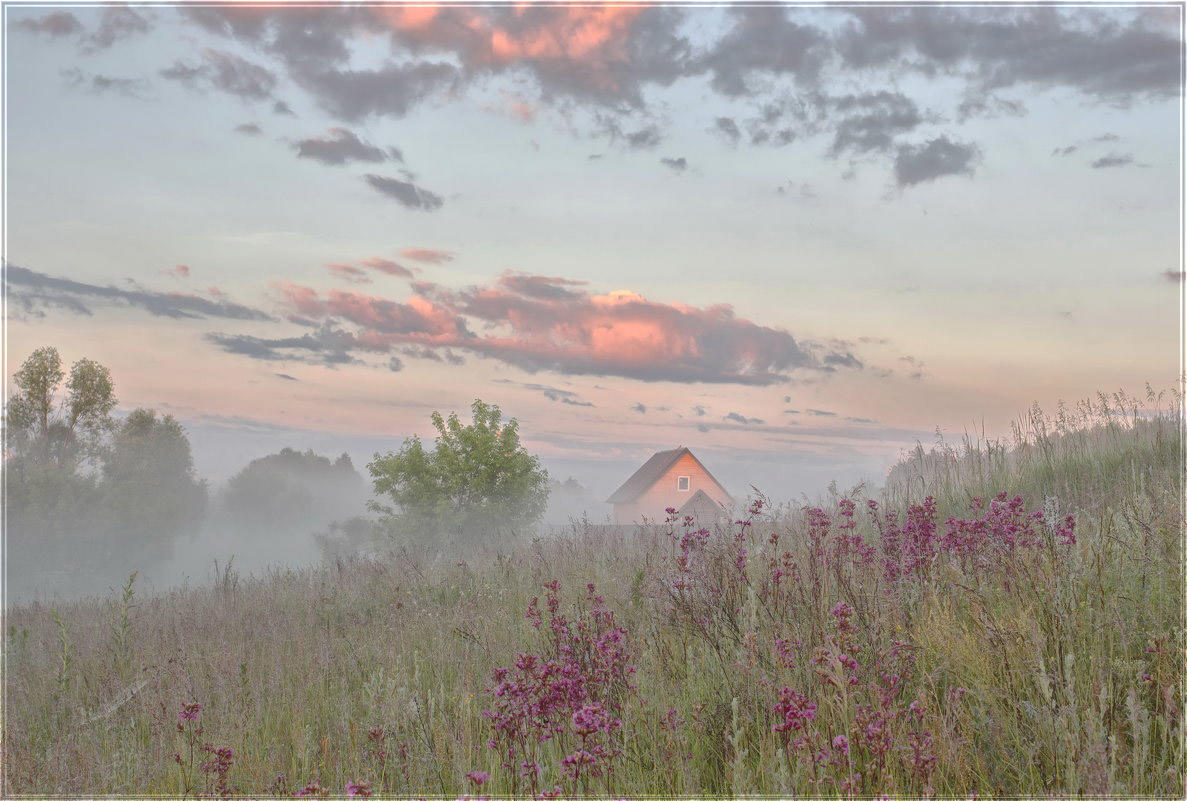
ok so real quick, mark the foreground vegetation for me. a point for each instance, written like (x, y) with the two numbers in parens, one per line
(1005, 619)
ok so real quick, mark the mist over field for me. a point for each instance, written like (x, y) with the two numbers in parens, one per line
(618, 400)
(275, 510)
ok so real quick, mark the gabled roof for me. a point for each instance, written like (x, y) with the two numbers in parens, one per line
(652, 471)
(699, 500)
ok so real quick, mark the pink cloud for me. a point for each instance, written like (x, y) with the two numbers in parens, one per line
(387, 266)
(179, 271)
(428, 255)
(551, 323)
(592, 37)
(378, 319)
(349, 273)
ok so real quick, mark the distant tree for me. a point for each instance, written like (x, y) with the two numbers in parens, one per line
(68, 430)
(87, 495)
(477, 478)
(149, 482)
(293, 488)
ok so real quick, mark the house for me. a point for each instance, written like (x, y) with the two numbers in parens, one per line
(669, 479)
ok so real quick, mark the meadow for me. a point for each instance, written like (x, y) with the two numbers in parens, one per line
(1002, 618)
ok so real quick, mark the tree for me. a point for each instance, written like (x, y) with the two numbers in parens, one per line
(291, 489)
(65, 431)
(84, 496)
(49, 504)
(478, 478)
(149, 482)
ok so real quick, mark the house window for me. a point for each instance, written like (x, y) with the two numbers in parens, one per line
(682, 484)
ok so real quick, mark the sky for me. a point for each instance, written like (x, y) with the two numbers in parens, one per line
(797, 240)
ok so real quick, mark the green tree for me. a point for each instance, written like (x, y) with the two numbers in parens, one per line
(477, 479)
(65, 430)
(149, 483)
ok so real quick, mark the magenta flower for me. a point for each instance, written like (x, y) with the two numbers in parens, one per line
(794, 710)
(358, 789)
(479, 777)
(189, 712)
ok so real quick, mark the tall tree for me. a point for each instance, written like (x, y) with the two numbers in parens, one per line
(477, 478)
(149, 483)
(65, 430)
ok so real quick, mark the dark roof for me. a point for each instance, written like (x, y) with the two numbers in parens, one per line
(652, 470)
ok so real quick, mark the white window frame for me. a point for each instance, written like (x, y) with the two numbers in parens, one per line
(686, 481)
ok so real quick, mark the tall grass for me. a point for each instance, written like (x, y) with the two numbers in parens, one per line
(844, 649)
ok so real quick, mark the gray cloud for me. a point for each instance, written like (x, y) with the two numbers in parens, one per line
(395, 364)
(1089, 50)
(102, 84)
(315, 48)
(1067, 150)
(353, 95)
(846, 359)
(764, 41)
(225, 72)
(544, 287)
(445, 356)
(55, 24)
(987, 104)
(340, 146)
(553, 394)
(640, 408)
(1113, 160)
(735, 417)
(918, 371)
(612, 125)
(784, 61)
(870, 122)
(328, 346)
(644, 137)
(727, 128)
(796, 191)
(34, 291)
(676, 165)
(248, 129)
(820, 413)
(936, 158)
(116, 23)
(286, 376)
(405, 192)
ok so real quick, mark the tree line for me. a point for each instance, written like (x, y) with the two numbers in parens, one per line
(85, 490)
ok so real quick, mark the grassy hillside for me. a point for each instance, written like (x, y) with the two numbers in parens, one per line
(943, 639)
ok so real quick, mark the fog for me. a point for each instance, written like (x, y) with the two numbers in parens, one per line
(69, 538)
(80, 519)
(81, 534)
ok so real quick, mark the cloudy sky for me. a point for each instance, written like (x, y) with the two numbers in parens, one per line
(794, 239)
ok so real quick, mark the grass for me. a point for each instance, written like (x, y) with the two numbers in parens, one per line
(1043, 669)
